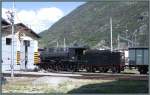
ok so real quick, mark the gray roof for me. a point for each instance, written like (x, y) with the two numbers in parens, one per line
(4, 22)
(19, 27)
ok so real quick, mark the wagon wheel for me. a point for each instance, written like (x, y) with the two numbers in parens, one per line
(105, 70)
(143, 69)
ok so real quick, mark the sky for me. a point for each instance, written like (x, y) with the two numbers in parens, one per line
(39, 16)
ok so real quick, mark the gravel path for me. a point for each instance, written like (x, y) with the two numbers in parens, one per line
(51, 80)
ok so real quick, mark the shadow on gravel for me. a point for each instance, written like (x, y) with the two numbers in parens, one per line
(119, 86)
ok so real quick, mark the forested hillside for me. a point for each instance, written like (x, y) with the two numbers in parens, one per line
(89, 24)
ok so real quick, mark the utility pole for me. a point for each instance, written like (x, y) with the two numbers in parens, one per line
(12, 70)
(135, 40)
(11, 19)
(57, 44)
(111, 47)
(118, 41)
(64, 44)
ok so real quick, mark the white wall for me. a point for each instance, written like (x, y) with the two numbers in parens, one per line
(18, 46)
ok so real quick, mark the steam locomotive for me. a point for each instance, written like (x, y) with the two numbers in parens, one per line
(77, 59)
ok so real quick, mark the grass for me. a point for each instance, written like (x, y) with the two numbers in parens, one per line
(120, 86)
(25, 85)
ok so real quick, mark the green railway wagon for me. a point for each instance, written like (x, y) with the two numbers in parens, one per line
(139, 57)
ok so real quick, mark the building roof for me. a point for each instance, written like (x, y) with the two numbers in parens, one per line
(4, 22)
(20, 27)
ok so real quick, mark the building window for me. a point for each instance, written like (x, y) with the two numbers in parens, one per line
(26, 43)
(8, 41)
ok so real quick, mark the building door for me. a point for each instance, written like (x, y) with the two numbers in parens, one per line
(26, 44)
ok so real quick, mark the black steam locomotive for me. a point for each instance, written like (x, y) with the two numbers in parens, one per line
(81, 59)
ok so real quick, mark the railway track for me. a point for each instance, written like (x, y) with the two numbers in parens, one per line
(114, 77)
(77, 75)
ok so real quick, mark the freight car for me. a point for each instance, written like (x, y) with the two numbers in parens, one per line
(81, 58)
(139, 58)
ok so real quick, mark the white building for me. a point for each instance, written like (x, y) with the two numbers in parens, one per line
(25, 47)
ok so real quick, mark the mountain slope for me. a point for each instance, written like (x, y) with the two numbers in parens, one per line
(89, 24)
